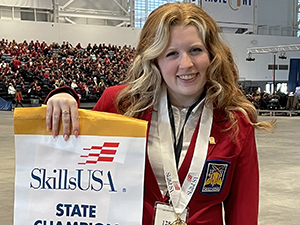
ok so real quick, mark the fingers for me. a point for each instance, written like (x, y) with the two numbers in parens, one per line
(75, 120)
(56, 115)
(62, 108)
(49, 117)
(70, 116)
(53, 117)
(65, 115)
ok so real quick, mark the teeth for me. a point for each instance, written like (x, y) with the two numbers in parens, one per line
(187, 77)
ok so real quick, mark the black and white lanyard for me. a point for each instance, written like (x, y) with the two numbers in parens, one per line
(178, 144)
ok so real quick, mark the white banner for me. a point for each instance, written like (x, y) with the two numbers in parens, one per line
(91, 180)
(230, 11)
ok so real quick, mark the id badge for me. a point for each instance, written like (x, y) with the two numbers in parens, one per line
(165, 215)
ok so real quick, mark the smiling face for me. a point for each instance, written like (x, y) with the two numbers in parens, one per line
(183, 65)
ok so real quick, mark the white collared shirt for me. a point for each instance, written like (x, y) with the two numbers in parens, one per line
(154, 153)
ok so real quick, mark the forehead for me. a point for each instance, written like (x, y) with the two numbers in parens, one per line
(184, 34)
(183, 28)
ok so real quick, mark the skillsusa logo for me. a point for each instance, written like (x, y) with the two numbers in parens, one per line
(95, 154)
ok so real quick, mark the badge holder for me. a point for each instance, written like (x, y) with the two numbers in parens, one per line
(165, 215)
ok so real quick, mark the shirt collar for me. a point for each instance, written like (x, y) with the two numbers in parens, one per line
(199, 106)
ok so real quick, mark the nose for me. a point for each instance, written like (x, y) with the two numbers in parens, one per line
(185, 61)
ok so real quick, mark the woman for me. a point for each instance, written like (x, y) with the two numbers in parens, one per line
(184, 82)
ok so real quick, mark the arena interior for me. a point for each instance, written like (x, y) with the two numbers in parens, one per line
(89, 45)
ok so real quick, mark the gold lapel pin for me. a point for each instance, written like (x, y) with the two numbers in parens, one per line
(212, 141)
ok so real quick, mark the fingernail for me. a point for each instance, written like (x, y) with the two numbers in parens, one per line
(54, 134)
(66, 137)
(76, 133)
(48, 128)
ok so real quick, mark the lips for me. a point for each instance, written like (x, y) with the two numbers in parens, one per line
(187, 76)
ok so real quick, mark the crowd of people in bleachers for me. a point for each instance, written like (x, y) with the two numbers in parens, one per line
(36, 68)
(33, 69)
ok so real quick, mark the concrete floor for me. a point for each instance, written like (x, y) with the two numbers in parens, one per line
(279, 156)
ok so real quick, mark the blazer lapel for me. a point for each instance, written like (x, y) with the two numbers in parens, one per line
(220, 123)
(218, 126)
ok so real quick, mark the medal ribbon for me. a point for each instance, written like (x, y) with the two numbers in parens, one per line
(181, 196)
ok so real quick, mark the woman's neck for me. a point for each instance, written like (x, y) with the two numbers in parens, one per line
(180, 107)
(181, 103)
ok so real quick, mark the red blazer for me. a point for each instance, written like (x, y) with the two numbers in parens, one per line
(230, 174)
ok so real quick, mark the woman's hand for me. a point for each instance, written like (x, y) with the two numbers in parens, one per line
(64, 106)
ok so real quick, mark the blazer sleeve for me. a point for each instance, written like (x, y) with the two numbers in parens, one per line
(106, 103)
(241, 206)
(64, 89)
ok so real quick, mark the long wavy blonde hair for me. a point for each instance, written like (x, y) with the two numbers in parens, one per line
(144, 79)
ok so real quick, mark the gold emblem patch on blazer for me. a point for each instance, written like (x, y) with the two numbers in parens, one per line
(214, 177)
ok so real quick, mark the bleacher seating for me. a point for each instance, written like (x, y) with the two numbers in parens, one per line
(84, 65)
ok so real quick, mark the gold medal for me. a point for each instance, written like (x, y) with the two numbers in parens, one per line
(179, 221)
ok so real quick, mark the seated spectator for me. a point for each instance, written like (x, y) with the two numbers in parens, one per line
(2, 65)
(78, 46)
(11, 89)
(263, 101)
(46, 74)
(56, 84)
(69, 60)
(74, 84)
(292, 102)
